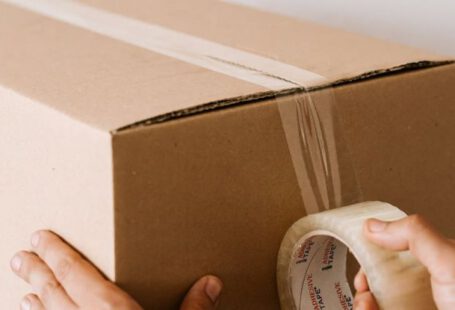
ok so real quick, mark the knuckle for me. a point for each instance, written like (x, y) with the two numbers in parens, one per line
(64, 266)
(417, 222)
(49, 289)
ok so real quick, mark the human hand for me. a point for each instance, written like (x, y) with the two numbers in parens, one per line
(62, 279)
(433, 250)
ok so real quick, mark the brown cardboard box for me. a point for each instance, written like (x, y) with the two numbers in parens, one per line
(161, 171)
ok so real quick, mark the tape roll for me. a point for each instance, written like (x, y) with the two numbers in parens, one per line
(311, 271)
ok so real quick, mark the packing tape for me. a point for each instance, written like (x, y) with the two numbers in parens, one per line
(263, 71)
(312, 263)
(322, 162)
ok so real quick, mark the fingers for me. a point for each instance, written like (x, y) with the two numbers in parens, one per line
(417, 235)
(365, 301)
(204, 295)
(34, 271)
(31, 302)
(79, 278)
(62, 278)
(360, 282)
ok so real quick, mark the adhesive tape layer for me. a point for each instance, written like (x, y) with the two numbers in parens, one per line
(311, 271)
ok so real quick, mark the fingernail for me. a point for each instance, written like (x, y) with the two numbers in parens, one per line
(213, 289)
(26, 304)
(16, 263)
(375, 225)
(35, 239)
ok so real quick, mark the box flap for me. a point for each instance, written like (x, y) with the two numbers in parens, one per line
(109, 83)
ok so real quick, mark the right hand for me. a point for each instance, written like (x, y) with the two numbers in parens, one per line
(432, 249)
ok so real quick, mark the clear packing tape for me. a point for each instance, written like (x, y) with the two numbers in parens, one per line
(312, 261)
(321, 160)
(311, 270)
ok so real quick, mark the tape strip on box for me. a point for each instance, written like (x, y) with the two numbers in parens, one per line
(321, 159)
(242, 65)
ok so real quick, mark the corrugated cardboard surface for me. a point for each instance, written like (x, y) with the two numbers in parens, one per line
(400, 131)
(215, 193)
(54, 174)
(212, 192)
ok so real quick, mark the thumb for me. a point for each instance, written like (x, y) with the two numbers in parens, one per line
(414, 233)
(204, 295)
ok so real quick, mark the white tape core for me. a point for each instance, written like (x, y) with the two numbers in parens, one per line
(317, 274)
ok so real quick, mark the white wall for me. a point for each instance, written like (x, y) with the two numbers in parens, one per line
(428, 24)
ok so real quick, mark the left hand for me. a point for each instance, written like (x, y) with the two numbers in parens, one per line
(62, 279)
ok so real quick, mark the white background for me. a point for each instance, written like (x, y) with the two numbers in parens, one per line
(428, 24)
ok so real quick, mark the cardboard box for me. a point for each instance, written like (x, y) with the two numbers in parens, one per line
(161, 170)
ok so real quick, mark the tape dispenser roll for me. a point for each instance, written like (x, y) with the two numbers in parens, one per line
(311, 270)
